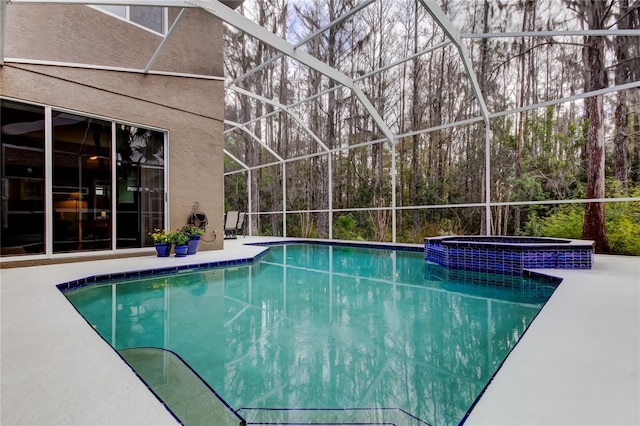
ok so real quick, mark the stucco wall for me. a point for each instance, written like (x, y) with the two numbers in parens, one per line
(78, 33)
(191, 109)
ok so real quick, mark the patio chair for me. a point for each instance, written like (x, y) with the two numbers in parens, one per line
(230, 224)
(240, 225)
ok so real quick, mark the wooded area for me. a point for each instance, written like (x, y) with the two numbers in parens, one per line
(550, 146)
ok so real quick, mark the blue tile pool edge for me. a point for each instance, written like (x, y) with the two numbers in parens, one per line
(154, 272)
(418, 248)
(149, 273)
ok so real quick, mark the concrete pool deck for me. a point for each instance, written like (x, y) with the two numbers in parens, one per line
(578, 363)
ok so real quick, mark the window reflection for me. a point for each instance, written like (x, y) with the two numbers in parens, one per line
(22, 207)
(81, 183)
(151, 17)
(148, 16)
(140, 190)
(120, 11)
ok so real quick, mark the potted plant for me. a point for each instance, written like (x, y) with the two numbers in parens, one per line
(161, 241)
(194, 234)
(179, 240)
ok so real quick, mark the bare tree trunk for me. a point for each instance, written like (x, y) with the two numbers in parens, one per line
(252, 154)
(282, 143)
(415, 122)
(401, 151)
(623, 75)
(482, 82)
(528, 21)
(593, 227)
(620, 138)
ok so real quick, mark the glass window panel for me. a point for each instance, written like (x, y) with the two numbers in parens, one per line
(148, 16)
(81, 183)
(22, 206)
(116, 10)
(140, 187)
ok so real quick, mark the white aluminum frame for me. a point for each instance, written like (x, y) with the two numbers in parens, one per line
(305, 40)
(3, 22)
(110, 68)
(286, 49)
(164, 41)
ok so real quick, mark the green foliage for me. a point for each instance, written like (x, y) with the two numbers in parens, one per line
(622, 222)
(191, 230)
(178, 238)
(266, 230)
(346, 228)
(624, 236)
(235, 191)
(303, 225)
(159, 236)
(528, 187)
(534, 225)
(446, 227)
(437, 223)
(565, 222)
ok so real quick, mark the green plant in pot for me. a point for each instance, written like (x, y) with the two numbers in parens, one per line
(194, 234)
(179, 240)
(161, 241)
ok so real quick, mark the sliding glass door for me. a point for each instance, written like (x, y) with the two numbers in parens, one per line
(140, 198)
(81, 183)
(72, 183)
(22, 208)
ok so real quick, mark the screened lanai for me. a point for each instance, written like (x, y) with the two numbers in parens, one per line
(393, 121)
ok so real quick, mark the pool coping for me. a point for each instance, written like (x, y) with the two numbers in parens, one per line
(76, 378)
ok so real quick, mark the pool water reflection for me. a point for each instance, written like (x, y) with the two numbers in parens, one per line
(318, 326)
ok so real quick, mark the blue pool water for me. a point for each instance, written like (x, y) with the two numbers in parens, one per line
(326, 327)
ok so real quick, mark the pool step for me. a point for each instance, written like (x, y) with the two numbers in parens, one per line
(181, 390)
(329, 416)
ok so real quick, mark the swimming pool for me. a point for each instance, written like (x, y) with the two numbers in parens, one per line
(337, 333)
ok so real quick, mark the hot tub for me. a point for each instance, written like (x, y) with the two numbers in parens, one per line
(508, 255)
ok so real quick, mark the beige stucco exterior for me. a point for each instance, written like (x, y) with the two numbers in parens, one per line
(190, 109)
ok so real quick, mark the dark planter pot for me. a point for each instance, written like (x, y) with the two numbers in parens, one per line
(181, 251)
(193, 243)
(163, 249)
